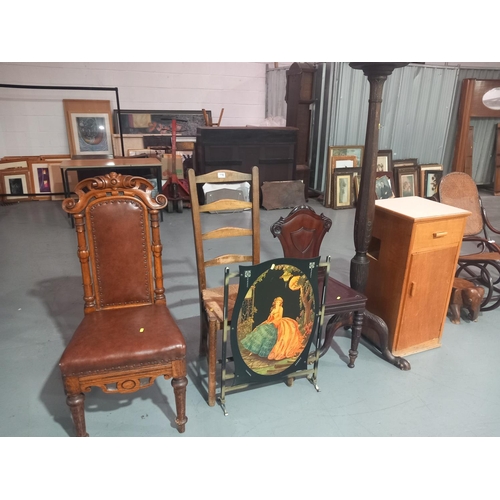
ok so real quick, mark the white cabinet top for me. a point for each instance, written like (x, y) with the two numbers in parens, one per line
(416, 208)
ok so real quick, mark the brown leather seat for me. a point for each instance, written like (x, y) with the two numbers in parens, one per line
(127, 337)
(134, 336)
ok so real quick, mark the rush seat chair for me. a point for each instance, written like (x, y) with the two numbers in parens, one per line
(236, 223)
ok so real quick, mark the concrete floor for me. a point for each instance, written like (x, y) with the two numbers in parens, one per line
(451, 391)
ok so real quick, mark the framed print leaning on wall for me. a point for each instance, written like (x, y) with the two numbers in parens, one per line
(435, 167)
(89, 127)
(383, 186)
(384, 160)
(356, 151)
(406, 181)
(16, 183)
(342, 189)
(339, 162)
(42, 182)
(431, 182)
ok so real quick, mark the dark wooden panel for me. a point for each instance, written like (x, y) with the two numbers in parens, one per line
(272, 149)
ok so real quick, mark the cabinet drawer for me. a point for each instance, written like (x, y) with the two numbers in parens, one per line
(437, 234)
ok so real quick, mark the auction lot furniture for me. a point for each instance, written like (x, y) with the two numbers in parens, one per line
(301, 233)
(242, 244)
(128, 337)
(479, 261)
(85, 169)
(90, 168)
(413, 257)
(272, 149)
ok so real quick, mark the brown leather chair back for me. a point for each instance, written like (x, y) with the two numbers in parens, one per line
(118, 241)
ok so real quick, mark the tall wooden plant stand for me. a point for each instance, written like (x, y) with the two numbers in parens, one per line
(373, 327)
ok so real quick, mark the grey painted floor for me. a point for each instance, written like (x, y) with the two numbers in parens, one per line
(452, 391)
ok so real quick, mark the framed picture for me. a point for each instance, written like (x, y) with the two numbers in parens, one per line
(88, 123)
(342, 189)
(357, 151)
(136, 121)
(8, 164)
(383, 186)
(337, 162)
(422, 181)
(343, 162)
(407, 181)
(16, 183)
(384, 160)
(41, 180)
(408, 162)
(431, 179)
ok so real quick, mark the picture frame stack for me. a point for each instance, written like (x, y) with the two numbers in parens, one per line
(26, 178)
(394, 178)
(343, 175)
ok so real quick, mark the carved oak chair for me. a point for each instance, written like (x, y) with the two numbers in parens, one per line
(127, 337)
(208, 227)
(479, 260)
(301, 233)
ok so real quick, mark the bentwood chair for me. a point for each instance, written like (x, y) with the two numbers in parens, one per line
(479, 260)
(237, 223)
(301, 233)
(127, 337)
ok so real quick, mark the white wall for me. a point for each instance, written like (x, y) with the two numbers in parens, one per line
(32, 121)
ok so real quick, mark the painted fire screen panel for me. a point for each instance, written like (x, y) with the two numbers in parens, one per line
(274, 319)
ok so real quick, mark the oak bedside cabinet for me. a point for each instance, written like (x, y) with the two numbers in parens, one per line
(413, 256)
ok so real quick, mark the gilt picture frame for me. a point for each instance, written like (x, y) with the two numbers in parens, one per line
(357, 151)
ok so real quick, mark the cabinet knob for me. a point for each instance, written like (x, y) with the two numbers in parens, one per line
(413, 287)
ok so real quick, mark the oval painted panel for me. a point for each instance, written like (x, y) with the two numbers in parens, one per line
(276, 319)
(491, 99)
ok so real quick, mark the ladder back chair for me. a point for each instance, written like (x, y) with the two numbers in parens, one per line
(127, 337)
(301, 233)
(243, 232)
(479, 260)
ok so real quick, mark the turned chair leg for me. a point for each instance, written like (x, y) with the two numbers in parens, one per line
(76, 405)
(179, 385)
(357, 325)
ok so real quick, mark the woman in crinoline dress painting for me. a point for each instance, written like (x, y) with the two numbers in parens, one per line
(277, 337)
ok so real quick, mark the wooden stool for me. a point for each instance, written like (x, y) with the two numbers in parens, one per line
(467, 295)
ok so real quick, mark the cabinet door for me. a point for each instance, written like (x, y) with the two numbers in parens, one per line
(426, 299)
